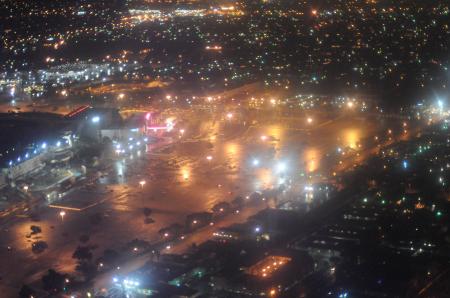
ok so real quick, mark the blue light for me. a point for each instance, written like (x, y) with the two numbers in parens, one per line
(95, 119)
(405, 164)
(44, 145)
(10, 162)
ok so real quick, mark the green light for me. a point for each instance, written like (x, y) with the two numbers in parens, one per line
(383, 202)
(439, 213)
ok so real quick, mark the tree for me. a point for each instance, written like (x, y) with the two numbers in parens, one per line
(84, 238)
(26, 292)
(147, 212)
(35, 230)
(82, 253)
(87, 269)
(53, 281)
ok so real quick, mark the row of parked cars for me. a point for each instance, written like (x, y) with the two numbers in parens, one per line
(198, 220)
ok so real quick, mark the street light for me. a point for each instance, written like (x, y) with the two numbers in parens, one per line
(281, 167)
(25, 188)
(62, 214)
(309, 120)
(209, 158)
(142, 183)
(95, 119)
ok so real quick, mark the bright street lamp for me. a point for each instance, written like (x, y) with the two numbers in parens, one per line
(62, 214)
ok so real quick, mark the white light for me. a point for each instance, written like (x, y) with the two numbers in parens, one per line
(257, 229)
(255, 162)
(115, 279)
(44, 145)
(95, 119)
(209, 157)
(281, 167)
(58, 144)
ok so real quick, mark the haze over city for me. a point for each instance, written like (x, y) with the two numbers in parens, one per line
(160, 148)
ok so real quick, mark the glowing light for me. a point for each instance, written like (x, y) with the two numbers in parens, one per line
(281, 167)
(62, 214)
(95, 119)
(309, 120)
(209, 157)
(405, 164)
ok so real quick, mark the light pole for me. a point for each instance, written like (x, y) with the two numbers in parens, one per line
(62, 214)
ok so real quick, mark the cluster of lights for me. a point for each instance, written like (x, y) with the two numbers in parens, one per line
(43, 146)
(127, 282)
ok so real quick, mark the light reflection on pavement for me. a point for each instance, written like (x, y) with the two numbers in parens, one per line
(178, 182)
